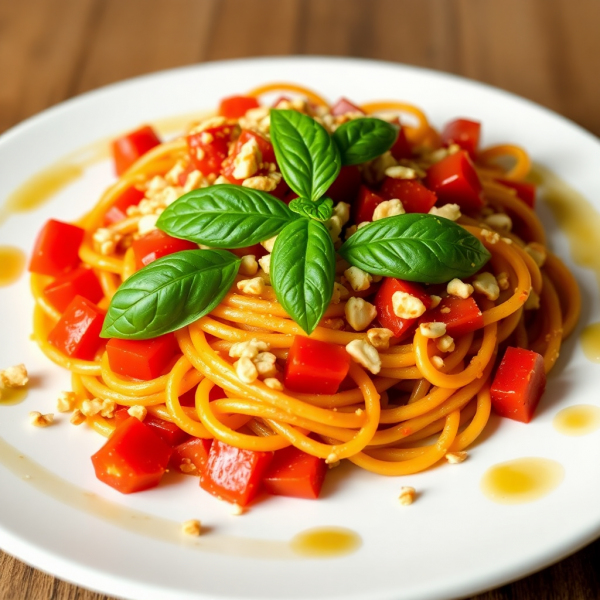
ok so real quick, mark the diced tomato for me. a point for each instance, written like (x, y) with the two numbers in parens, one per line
(519, 384)
(415, 197)
(463, 317)
(128, 148)
(157, 244)
(168, 432)
(56, 249)
(346, 185)
(133, 459)
(141, 359)
(344, 106)
(189, 398)
(208, 149)
(191, 456)
(77, 333)
(234, 474)
(266, 151)
(399, 326)
(295, 473)
(315, 367)
(118, 211)
(281, 99)
(464, 133)
(455, 180)
(401, 148)
(80, 282)
(235, 107)
(121, 415)
(525, 191)
(364, 207)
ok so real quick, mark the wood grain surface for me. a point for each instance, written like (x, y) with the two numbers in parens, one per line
(545, 50)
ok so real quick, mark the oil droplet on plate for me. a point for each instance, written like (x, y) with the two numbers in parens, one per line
(580, 419)
(12, 264)
(522, 480)
(12, 396)
(324, 542)
(590, 342)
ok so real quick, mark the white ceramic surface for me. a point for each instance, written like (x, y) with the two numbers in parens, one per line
(452, 542)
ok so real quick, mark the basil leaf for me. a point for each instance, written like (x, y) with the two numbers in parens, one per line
(361, 140)
(415, 247)
(225, 216)
(171, 292)
(320, 210)
(305, 152)
(303, 271)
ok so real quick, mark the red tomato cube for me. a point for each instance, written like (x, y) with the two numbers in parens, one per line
(346, 185)
(519, 384)
(295, 473)
(157, 244)
(235, 107)
(133, 459)
(77, 333)
(208, 149)
(525, 191)
(56, 249)
(365, 205)
(234, 474)
(315, 367)
(80, 282)
(401, 148)
(344, 106)
(464, 133)
(415, 197)
(118, 210)
(191, 457)
(461, 315)
(128, 148)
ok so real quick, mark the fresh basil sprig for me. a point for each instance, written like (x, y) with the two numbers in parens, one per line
(319, 210)
(415, 247)
(169, 293)
(361, 140)
(303, 271)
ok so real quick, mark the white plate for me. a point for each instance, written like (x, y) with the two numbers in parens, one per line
(451, 542)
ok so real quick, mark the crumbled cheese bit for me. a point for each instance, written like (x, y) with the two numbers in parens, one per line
(137, 411)
(105, 241)
(407, 306)
(236, 510)
(407, 495)
(500, 222)
(364, 354)
(14, 377)
(37, 419)
(448, 211)
(379, 337)
(503, 282)
(273, 383)
(265, 364)
(268, 244)
(263, 183)
(537, 252)
(533, 301)
(437, 362)
(459, 288)
(336, 324)
(359, 313)
(486, 284)
(339, 293)
(172, 176)
(252, 287)
(91, 407)
(435, 300)
(248, 266)
(491, 237)
(388, 208)
(246, 370)
(77, 418)
(265, 264)
(191, 527)
(248, 349)
(66, 401)
(445, 344)
(433, 330)
(358, 279)
(456, 457)
(195, 180)
(147, 223)
(400, 172)
(108, 408)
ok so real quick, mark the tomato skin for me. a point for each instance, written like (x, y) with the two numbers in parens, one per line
(346, 185)
(77, 332)
(385, 307)
(464, 133)
(235, 107)
(464, 316)
(295, 473)
(128, 148)
(56, 249)
(208, 149)
(192, 455)
(401, 148)
(133, 459)
(519, 384)
(365, 205)
(415, 197)
(234, 474)
(314, 367)
(157, 244)
(344, 106)
(525, 191)
(455, 180)
(118, 211)
(141, 359)
(80, 282)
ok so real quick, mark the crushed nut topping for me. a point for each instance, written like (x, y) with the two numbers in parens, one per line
(246, 370)
(364, 354)
(407, 495)
(379, 337)
(265, 364)
(459, 288)
(91, 407)
(456, 457)
(407, 306)
(537, 252)
(433, 330)
(265, 264)
(358, 279)
(273, 383)
(388, 208)
(448, 211)
(400, 172)
(191, 527)
(435, 300)
(139, 412)
(437, 362)
(500, 222)
(252, 287)
(486, 284)
(77, 418)
(359, 313)
(105, 241)
(248, 266)
(37, 419)
(66, 401)
(445, 344)
(503, 282)
(339, 293)
(14, 377)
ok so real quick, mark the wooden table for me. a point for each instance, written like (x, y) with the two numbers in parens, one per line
(545, 50)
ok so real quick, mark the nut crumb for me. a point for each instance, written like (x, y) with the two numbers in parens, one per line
(37, 419)
(456, 457)
(192, 527)
(407, 495)
(66, 402)
(139, 412)
(77, 418)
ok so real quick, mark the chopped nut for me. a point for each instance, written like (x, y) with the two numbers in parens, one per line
(502, 279)
(407, 495)
(247, 161)
(445, 310)
(491, 237)
(147, 223)
(379, 337)
(246, 370)
(448, 211)
(248, 266)
(37, 419)
(400, 172)
(91, 407)
(445, 344)
(265, 263)
(332, 458)
(236, 510)
(433, 330)
(335, 324)
(359, 313)
(191, 527)
(486, 284)
(358, 279)
(537, 252)
(273, 383)
(14, 377)
(437, 362)
(500, 222)
(407, 306)
(533, 301)
(268, 244)
(339, 293)
(435, 300)
(66, 401)
(249, 349)
(77, 418)
(263, 183)
(108, 409)
(139, 412)
(342, 211)
(334, 226)
(459, 288)
(265, 364)
(456, 457)
(105, 241)
(388, 208)
(366, 355)
(252, 287)
(334, 464)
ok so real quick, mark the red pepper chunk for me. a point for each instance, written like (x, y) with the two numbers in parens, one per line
(77, 333)
(234, 474)
(133, 459)
(141, 359)
(415, 197)
(364, 207)
(399, 326)
(56, 249)
(157, 244)
(315, 367)
(525, 191)
(295, 473)
(128, 148)
(461, 315)
(344, 106)
(519, 384)
(118, 210)
(235, 107)
(80, 282)
(346, 186)
(464, 133)
(401, 148)
(208, 148)
(168, 432)
(455, 181)
(191, 457)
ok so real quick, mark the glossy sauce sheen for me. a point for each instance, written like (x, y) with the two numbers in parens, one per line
(590, 342)
(323, 542)
(12, 396)
(12, 264)
(578, 420)
(521, 480)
